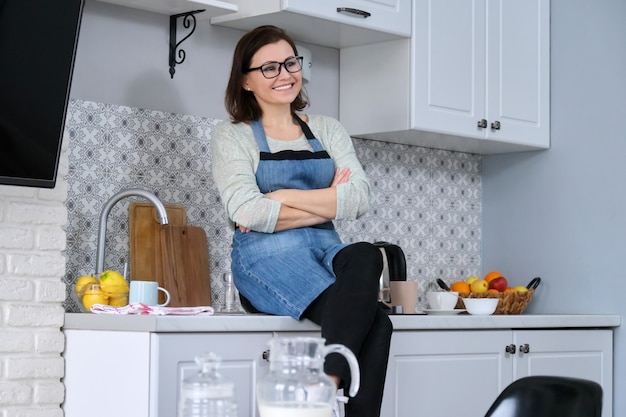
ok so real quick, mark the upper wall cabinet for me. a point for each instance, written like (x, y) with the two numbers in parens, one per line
(475, 77)
(332, 23)
(170, 7)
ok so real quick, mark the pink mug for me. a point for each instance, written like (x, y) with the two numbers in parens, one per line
(403, 293)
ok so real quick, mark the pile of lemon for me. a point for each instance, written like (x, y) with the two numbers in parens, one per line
(111, 289)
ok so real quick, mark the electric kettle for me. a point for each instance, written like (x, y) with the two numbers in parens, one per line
(394, 268)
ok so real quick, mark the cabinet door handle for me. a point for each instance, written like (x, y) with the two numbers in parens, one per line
(354, 12)
(495, 125)
(482, 123)
(510, 349)
(266, 355)
(525, 348)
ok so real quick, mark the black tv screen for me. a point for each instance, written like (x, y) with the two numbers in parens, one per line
(38, 41)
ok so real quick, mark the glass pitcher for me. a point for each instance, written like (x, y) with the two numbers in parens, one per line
(296, 385)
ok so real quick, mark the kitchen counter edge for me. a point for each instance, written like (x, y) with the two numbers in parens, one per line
(261, 322)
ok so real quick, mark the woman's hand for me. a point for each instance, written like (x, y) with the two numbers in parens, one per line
(243, 229)
(342, 175)
(276, 195)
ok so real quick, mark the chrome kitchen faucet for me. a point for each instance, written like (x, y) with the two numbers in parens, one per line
(106, 209)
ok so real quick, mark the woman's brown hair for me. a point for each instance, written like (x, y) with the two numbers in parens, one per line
(241, 104)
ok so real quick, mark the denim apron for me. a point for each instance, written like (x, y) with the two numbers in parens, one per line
(281, 273)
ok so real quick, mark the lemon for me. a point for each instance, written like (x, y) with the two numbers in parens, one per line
(118, 300)
(118, 295)
(112, 281)
(81, 283)
(94, 295)
(115, 288)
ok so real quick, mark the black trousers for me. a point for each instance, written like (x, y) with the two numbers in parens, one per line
(349, 314)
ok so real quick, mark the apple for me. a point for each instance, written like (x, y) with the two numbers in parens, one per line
(479, 285)
(471, 279)
(500, 284)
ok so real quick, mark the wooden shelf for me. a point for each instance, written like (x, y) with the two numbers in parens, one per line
(170, 7)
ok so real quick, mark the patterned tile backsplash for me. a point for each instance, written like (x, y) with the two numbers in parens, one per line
(427, 201)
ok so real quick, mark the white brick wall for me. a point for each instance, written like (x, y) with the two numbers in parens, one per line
(32, 264)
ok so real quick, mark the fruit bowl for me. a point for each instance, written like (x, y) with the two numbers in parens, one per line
(511, 302)
(94, 294)
(481, 306)
(88, 290)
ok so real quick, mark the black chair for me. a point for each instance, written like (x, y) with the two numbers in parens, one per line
(548, 396)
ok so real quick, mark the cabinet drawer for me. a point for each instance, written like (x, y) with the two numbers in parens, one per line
(320, 23)
(169, 7)
(391, 16)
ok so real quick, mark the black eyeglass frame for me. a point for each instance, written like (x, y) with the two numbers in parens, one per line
(300, 60)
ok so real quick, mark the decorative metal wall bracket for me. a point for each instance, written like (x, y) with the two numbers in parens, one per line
(189, 18)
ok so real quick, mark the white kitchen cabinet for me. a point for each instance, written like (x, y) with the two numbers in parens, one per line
(173, 355)
(118, 365)
(140, 373)
(475, 77)
(462, 372)
(244, 361)
(330, 23)
(169, 7)
(107, 373)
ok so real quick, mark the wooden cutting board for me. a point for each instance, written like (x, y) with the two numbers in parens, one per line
(186, 275)
(145, 239)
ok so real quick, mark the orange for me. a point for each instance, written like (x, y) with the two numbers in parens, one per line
(460, 286)
(492, 290)
(492, 275)
(510, 290)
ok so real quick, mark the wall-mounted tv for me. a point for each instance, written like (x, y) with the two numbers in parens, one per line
(38, 41)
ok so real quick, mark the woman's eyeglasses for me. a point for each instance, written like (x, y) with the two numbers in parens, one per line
(272, 69)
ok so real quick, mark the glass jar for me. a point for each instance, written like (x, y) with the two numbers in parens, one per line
(207, 393)
(230, 294)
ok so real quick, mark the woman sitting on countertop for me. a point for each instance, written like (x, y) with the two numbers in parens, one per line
(283, 177)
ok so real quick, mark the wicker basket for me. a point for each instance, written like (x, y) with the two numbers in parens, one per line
(510, 302)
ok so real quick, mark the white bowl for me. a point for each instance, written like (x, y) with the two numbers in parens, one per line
(481, 306)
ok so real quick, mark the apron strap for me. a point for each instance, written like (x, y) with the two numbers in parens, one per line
(259, 135)
(261, 139)
(305, 127)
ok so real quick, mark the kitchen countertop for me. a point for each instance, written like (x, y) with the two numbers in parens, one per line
(261, 322)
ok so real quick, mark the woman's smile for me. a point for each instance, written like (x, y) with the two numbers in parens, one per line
(283, 87)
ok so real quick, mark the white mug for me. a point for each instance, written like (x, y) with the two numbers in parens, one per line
(147, 292)
(442, 300)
